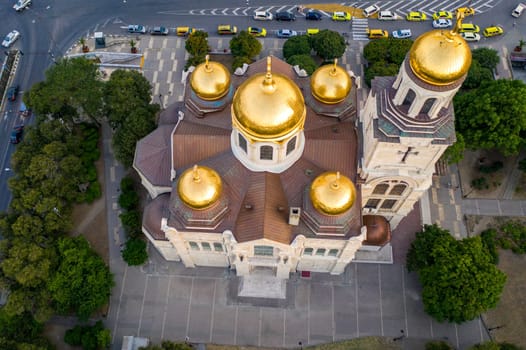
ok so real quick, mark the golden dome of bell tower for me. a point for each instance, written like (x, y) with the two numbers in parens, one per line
(210, 80)
(332, 194)
(268, 107)
(330, 84)
(199, 187)
(441, 57)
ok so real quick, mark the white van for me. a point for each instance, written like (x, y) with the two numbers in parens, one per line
(518, 10)
(263, 16)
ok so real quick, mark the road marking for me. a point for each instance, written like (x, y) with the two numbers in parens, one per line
(284, 323)
(456, 336)
(381, 308)
(333, 320)
(213, 309)
(119, 304)
(308, 315)
(142, 306)
(498, 206)
(260, 325)
(431, 328)
(161, 64)
(166, 305)
(405, 304)
(189, 304)
(356, 299)
(169, 77)
(235, 324)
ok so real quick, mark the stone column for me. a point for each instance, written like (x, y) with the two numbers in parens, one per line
(284, 265)
(348, 252)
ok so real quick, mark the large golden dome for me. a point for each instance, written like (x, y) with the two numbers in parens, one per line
(210, 80)
(332, 193)
(199, 187)
(440, 57)
(330, 84)
(268, 106)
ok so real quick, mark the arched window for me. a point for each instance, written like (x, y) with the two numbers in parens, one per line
(381, 188)
(242, 142)
(409, 98)
(397, 190)
(266, 152)
(427, 105)
(291, 145)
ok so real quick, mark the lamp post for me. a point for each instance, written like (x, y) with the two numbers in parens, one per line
(161, 100)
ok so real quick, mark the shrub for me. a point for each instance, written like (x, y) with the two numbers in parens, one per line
(135, 252)
(130, 220)
(93, 192)
(297, 45)
(239, 61)
(127, 184)
(489, 240)
(73, 336)
(304, 62)
(480, 183)
(438, 345)
(489, 169)
(128, 199)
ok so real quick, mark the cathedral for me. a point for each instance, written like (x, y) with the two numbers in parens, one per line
(269, 171)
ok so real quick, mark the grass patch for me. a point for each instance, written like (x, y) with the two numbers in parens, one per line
(366, 343)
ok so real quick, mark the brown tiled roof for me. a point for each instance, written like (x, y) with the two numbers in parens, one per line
(264, 210)
(153, 213)
(152, 156)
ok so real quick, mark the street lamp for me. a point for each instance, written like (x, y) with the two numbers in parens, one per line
(161, 101)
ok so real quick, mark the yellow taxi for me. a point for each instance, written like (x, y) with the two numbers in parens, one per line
(378, 34)
(312, 31)
(255, 31)
(442, 14)
(416, 16)
(226, 29)
(493, 31)
(469, 27)
(184, 31)
(341, 16)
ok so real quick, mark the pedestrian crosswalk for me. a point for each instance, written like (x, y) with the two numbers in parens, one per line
(359, 28)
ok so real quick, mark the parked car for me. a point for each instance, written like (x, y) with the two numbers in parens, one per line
(12, 93)
(371, 10)
(285, 16)
(442, 14)
(402, 33)
(493, 31)
(286, 33)
(21, 5)
(341, 16)
(16, 134)
(159, 31)
(517, 11)
(312, 31)
(11, 38)
(313, 15)
(184, 31)
(263, 16)
(255, 31)
(378, 34)
(470, 36)
(226, 29)
(416, 16)
(136, 28)
(469, 27)
(386, 16)
(442, 23)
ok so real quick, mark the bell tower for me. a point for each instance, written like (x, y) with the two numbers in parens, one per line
(408, 122)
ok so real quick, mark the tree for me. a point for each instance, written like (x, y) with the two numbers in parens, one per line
(487, 57)
(72, 89)
(297, 45)
(459, 280)
(135, 252)
(384, 57)
(304, 62)
(245, 45)
(380, 68)
(477, 75)
(82, 282)
(89, 337)
(455, 152)
(491, 345)
(328, 44)
(197, 44)
(493, 116)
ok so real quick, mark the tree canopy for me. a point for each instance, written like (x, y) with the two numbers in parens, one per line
(487, 57)
(245, 45)
(493, 116)
(82, 282)
(459, 280)
(384, 57)
(72, 89)
(304, 62)
(328, 44)
(297, 45)
(197, 46)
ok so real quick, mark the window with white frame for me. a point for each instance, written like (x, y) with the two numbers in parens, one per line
(242, 142)
(206, 246)
(321, 251)
(263, 250)
(387, 194)
(218, 247)
(193, 245)
(291, 145)
(333, 252)
(266, 153)
(307, 251)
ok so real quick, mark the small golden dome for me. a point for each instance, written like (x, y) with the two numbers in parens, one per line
(210, 80)
(199, 187)
(330, 84)
(267, 106)
(440, 57)
(332, 193)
